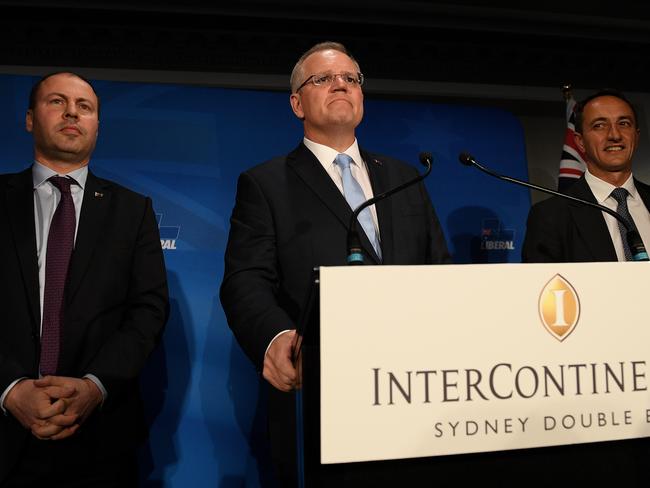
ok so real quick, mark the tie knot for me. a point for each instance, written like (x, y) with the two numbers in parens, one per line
(343, 160)
(62, 183)
(620, 195)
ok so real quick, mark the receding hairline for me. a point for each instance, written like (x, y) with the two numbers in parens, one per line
(36, 88)
(297, 74)
(607, 92)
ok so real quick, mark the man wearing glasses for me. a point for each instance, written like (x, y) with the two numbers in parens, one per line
(291, 215)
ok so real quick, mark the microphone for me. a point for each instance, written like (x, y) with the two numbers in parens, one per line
(634, 241)
(355, 251)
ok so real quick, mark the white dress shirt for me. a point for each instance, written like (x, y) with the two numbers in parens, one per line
(359, 170)
(602, 191)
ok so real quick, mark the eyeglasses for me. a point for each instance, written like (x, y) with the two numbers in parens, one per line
(320, 79)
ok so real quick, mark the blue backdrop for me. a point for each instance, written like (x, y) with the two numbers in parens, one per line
(185, 146)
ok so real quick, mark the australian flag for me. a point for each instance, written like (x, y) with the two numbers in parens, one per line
(572, 164)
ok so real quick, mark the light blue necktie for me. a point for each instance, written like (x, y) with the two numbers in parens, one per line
(355, 197)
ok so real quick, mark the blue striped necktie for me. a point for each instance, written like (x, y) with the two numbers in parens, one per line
(355, 197)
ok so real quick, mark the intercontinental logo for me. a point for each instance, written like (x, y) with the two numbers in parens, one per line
(559, 307)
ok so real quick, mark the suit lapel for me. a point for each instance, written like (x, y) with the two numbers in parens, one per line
(312, 173)
(591, 224)
(644, 191)
(380, 184)
(20, 206)
(94, 209)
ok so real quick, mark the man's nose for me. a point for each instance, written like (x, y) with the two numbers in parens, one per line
(338, 82)
(614, 133)
(70, 111)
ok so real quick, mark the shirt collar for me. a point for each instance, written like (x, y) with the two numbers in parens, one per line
(41, 173)
(326, 154)
(602, 189)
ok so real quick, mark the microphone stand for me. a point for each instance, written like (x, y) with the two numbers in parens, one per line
(634, 241)
(355, 251)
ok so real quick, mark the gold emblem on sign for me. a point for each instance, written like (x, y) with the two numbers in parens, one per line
(559, 307)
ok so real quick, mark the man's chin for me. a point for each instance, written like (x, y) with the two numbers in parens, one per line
(70, 155)
(344, 120)
(612, 167)
(617, 164)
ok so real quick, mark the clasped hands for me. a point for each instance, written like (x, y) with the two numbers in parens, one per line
(53, 407)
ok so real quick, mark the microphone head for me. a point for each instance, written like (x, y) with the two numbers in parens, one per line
(425, 158)
(466, 158)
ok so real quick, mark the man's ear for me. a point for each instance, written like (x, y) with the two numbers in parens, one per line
(29, 120)
(579, 141)
(296, 106)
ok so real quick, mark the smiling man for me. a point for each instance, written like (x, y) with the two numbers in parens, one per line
(291, 215)
(562, 231)
(84, 300)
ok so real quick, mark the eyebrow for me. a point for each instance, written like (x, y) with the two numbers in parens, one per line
(62, 95)
(605, 119)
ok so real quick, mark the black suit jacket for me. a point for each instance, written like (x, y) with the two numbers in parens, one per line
(561, 231)
(116, 305)
(290, 217)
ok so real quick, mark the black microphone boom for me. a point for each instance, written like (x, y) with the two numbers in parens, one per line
(355, 251)
(633, 238)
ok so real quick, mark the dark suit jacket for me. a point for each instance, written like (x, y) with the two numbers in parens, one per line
(290, 217)
(561, 231)
(116, 305)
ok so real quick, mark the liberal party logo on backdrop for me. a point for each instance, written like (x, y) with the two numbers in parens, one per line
(495, 238)
(168, 234)
(559, 307)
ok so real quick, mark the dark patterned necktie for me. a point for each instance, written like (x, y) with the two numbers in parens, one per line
(60, 242)
(620, 195)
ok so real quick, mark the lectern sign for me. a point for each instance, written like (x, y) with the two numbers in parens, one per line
(432, 360)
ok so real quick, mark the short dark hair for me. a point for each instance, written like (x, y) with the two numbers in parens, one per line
(607, 92)
(37, 86)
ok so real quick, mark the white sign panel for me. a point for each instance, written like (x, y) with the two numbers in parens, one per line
(430, 360)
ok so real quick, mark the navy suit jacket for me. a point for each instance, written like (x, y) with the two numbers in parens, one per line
(116, 305)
